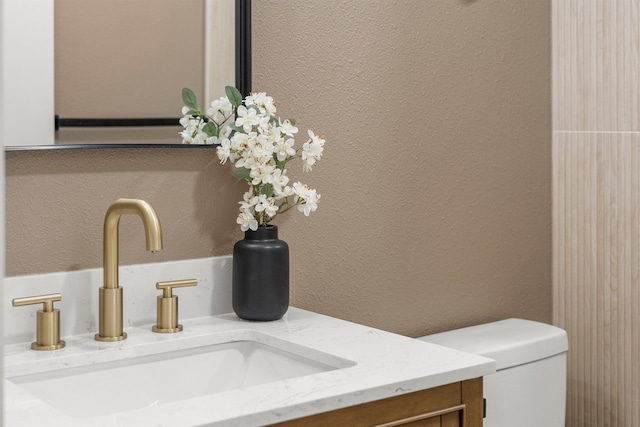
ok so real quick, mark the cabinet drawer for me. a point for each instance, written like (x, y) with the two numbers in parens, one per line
(445, 406)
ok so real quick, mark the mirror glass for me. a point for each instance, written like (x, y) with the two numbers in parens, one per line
(120, 65)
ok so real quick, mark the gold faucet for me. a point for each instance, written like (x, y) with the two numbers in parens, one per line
(110, 297)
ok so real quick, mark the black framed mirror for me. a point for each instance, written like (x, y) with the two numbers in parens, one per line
(137, 129)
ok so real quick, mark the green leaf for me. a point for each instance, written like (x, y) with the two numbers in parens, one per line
(210, 129)
(242, 174)
(233, 127)
(234, 96)
(293, 122)
(267, 190)
(189, 99)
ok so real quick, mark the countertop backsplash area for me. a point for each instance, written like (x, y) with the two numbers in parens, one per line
(352, 364)
(79, 290)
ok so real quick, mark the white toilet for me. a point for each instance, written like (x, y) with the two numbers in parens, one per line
(529, 387)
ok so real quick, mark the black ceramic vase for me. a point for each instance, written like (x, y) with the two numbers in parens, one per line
(261, 275)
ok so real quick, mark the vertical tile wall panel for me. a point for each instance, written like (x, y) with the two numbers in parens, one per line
(596, 205)
(595, 65)
(596, 242)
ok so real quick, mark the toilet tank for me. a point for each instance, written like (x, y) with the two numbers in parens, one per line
(530, 383)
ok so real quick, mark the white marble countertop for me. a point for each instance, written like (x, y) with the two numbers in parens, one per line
(383, 365)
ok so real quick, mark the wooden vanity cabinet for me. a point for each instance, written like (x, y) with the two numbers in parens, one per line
(453, 405)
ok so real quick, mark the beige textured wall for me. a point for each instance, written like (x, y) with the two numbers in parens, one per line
(56, 202)
(435, 209)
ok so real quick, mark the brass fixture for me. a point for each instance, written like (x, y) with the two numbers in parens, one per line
(168, 306)
(110, 297)
(47, 321)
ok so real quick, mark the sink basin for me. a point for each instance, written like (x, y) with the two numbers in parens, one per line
(153, 379)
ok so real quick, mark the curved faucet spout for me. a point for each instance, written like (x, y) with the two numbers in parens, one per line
(152, 230)
(110, 297)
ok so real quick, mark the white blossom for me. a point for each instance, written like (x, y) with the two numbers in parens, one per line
(247, 118)
(224, 151)
(247, 221)
(240, 141)
(260, 144)
(263, 102)
(261, 150)
(312, 151)
(221, 109)
(300, 190)
(266, 204)
(287, 128)
(265, 126)
(311, 203)
(279, 180)
(193, 132)
(249, 201)
(284, 149)
(261, 173)
(306, 198)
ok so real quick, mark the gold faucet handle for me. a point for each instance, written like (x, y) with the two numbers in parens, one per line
(167, 314)
(167, 287)
(47, 321)
(47, 300)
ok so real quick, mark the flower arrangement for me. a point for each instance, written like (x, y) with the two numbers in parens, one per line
(260, 145)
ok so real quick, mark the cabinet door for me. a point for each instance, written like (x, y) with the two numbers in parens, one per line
(450, 420)
(429, 422)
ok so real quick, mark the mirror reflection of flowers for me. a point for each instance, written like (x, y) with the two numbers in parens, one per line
(260, 145)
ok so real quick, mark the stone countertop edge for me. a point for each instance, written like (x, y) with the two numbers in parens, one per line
(382, 365)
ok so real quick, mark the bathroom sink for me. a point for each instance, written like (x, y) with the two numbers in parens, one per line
(153, 379)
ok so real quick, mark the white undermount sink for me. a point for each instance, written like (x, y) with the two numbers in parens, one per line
(246, 359)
